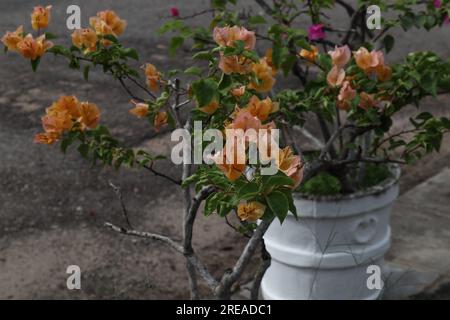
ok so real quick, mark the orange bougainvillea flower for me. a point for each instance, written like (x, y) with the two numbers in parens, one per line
(366, 101)
(340, 56)
(108, 23)
(309, 55)
(85, 39)
(262, 108)
(243, 119)
(32, 48)
(231, 169)
(210, 108)
(161, 119)
(67, 114)
(153, 77)
(368, 60)
(235, 64)
(383, 72)
(140, 109)
(69, 104)
(11, 39)
(238, 92)
(90, 115)
(347, 93)
(57, 122)
(291, 165)
(336, 76)
(40, 17)
(269, 59)
(227, 36)
(251, 211)
(373, 62)
(46, 138)
(363, 59)
(263, 72)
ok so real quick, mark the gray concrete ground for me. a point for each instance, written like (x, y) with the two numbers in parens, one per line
(52, 206)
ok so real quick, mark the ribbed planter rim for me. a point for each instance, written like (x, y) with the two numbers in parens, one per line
(374, 190)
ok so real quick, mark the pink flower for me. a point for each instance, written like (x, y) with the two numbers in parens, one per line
(315, 32)
(340, 56)
(227, 36)
(336, 76)
(174, 12)
(437, 3)
(446, 20)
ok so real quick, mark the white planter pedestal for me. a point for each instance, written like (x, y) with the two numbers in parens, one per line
(325, 253)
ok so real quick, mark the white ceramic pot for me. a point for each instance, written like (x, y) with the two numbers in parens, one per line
(326, 252)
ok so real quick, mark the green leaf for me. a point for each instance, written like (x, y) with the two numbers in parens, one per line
(292, 208)
(195, 71)
(205, 90)
(212, 202)
(429, 83)
(277, 54)
(86, 73)
(50, 36)
(175, 43)
(279, 204)
(111, 38)
(278, 180)
(257, 20)
(35, 64)
(131, 53)
(248, 190)
(388, 42)
(83, 149)
(203, 55)
(189, 180)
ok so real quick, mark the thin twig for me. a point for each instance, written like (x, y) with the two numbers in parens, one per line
(118, 193)
(159, 174)
(141, 234)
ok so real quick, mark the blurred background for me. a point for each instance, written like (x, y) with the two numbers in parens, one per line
(53, 206)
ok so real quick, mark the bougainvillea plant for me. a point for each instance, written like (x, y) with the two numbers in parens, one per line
(343, 82)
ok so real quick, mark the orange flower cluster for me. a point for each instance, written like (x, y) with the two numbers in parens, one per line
(309, 55)
(141, 110)
(85, 39)
(251, 211)
(340, 57)
(105, 23)
(227, 36)
(373, 62)
(264, 74)
(264, 70)
(262, 108)
(291, 165)
(153, 76)
(65, 115)
(108, 23)
(370, 62)
(40, 17)
(245, 120)
(28, 46)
